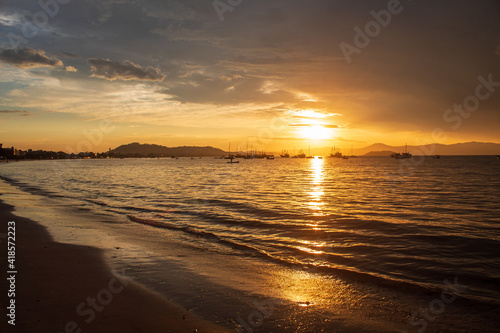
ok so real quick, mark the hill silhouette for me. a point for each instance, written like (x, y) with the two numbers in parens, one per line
(466, 148)
(152, 150)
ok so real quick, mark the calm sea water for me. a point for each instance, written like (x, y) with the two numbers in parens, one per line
(407, 224)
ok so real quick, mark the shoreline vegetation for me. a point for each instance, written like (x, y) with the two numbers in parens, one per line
(67, 288)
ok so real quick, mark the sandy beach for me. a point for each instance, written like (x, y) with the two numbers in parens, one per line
(68, 288)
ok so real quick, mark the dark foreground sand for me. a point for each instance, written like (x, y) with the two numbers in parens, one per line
(68, 288)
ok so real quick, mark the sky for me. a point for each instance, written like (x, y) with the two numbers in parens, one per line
(90, 75)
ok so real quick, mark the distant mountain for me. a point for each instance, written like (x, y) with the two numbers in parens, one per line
(379, 153)
(467, 148)
(137, 149)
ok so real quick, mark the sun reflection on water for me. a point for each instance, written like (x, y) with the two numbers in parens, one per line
(316, 194)
(310, 245)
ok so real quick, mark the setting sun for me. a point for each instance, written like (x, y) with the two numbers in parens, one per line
(316, 132)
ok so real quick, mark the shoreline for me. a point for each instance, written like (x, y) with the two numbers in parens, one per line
(67, 288)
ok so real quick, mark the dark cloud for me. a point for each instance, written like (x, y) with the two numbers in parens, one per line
(199, 88)
(28, 58)
(18, 112)
(68, 55)
(125, 70)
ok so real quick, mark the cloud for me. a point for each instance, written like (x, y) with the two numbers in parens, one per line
(19, 112)
(28, 58)
(68, 55)
(125, 70)
(70, 69)
(264, 53)
(309, 125)
(9, 20)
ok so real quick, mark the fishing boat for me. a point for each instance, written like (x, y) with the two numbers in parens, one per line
(231, 157)
(249, 156)
(397, 156)
(404, 155)
(336, 154)
(285, 154)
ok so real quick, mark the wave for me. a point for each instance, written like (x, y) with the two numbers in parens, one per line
(345, 270)
(438, 225)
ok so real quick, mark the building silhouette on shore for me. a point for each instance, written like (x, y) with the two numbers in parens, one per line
(8, 153)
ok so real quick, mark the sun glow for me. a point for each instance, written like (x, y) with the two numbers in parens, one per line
(316, 132)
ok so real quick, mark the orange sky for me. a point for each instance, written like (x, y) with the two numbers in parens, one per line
(271, 75)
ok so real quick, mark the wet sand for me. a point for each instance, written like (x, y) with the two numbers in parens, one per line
(69, 288)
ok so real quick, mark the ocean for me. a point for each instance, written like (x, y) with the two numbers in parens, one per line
(368, 244)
